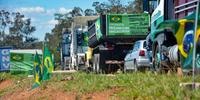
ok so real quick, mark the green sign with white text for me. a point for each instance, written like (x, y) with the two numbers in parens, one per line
(127, 24)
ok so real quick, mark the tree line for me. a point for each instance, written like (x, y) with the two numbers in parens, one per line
(111, 6)
(17, 31)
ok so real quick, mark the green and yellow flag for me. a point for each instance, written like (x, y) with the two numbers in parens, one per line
(38, 75)
(187, 45)
(48, 65)
(183, 30)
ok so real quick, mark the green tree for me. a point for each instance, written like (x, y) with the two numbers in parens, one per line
(4, 22)
(20, 29)
(135, 6)
(89, 12)
(77, 11)
(101, 8)
(116, 6)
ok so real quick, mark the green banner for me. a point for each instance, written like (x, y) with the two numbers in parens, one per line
(127, 24)
(21, 62)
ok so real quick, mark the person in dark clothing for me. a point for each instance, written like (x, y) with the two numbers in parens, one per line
(149, 46)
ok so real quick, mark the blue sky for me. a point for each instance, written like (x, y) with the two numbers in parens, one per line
(42, 11)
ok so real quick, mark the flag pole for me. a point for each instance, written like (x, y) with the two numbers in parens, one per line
(194, 47)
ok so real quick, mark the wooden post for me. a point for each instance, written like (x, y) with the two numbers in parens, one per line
(179, 72)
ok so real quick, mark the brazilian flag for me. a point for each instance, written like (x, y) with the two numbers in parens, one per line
(185, 38)
(183, 30)
(38, 75)
(188, 57)
(115, 18)
(48, 65)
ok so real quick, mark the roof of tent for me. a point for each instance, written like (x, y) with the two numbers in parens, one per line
(28, 51)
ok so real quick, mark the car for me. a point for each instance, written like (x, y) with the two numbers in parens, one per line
(137, 58)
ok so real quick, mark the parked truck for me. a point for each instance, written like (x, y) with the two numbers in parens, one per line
(172, 35)
(111, 36)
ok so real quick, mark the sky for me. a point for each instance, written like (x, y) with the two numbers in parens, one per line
(42, 12)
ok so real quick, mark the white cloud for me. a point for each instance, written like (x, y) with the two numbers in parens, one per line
(52, 22)
(50, 11)
(37, 9)
(63, 10)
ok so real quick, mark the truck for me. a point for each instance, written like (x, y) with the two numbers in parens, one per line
(111, 36)
(172, 29)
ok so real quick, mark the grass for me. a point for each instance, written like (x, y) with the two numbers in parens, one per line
(132, 85)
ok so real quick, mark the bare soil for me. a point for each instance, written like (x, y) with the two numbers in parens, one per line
(5, 84)
(102, 95)
(50, 93)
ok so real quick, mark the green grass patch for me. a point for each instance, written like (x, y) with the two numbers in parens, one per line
(133, 85)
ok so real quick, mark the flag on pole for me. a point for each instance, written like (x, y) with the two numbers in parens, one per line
(48, 65)
(37, 71)
(191, 41)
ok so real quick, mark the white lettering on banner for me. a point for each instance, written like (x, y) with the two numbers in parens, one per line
(5, 58)
(5, 52)
(6, 65)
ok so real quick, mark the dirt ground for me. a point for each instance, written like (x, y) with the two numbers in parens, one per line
(5, 84)
(51, 93)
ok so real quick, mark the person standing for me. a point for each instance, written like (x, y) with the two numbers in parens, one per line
(149, 47)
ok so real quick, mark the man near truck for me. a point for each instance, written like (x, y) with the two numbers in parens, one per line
(89, 58)
(149, 47)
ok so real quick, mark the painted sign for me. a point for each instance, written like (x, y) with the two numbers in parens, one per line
(22, 60)
(127, 24)
(4, 59)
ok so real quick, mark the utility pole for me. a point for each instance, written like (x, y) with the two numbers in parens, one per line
(73, 48)
(194, 48)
